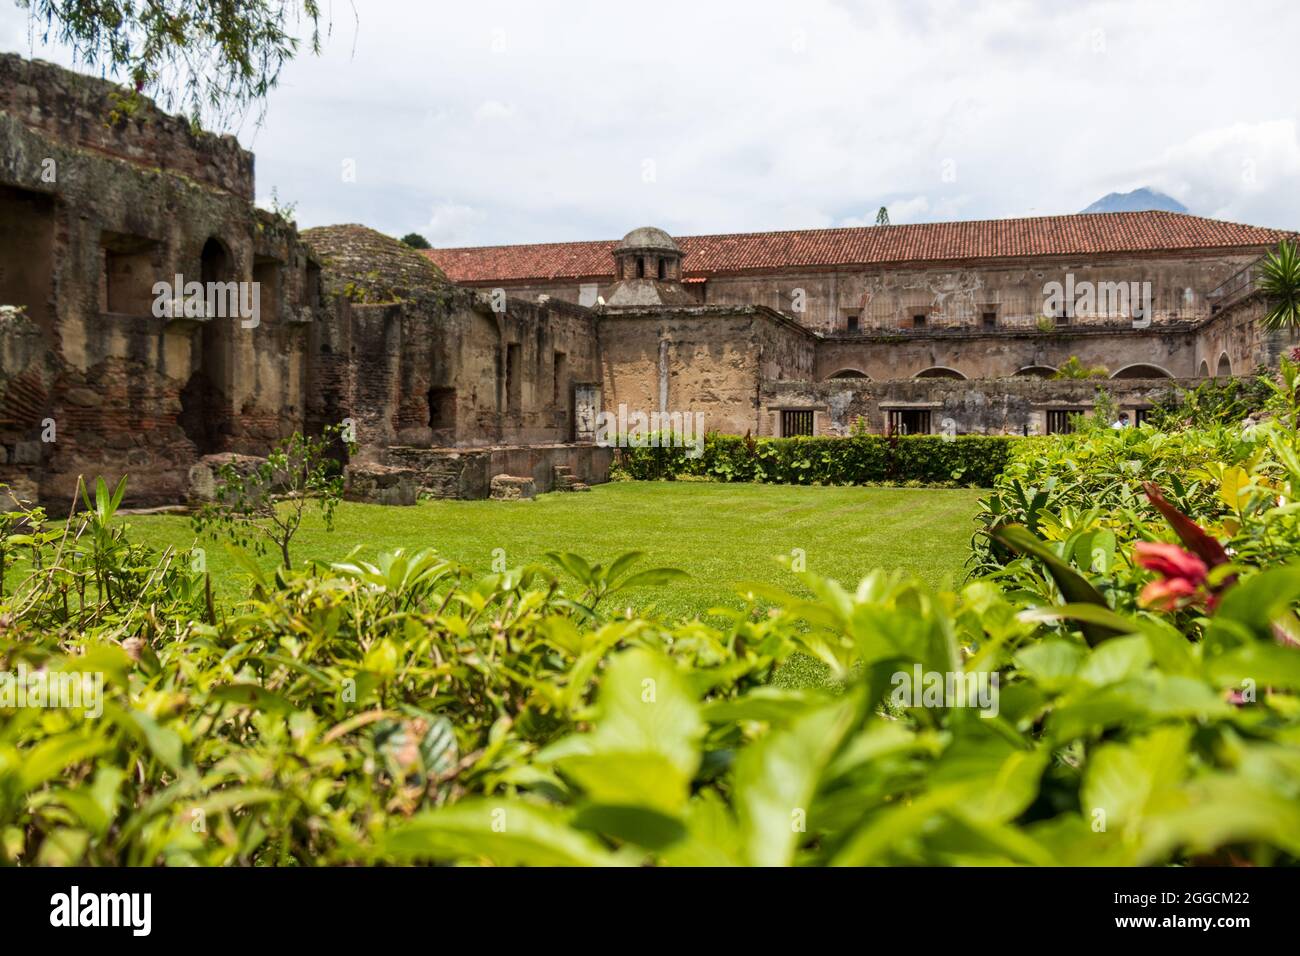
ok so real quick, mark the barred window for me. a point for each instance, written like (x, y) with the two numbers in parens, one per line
(1058, 420)
(909, 421)
(796, 422)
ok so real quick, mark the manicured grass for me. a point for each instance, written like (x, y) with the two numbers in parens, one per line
(721, 534)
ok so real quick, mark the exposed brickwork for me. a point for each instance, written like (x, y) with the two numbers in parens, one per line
(76, 110)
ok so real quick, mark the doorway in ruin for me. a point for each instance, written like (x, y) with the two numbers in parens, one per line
(27, 252)
(206, 398)
(27, 282)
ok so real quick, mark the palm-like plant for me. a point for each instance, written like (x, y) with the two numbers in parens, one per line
(1279, 280)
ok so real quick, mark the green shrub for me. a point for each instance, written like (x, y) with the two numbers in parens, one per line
(969, 460)
(1214, 401)
(404, 711)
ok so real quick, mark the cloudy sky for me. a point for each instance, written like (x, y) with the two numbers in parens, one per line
(519, 121)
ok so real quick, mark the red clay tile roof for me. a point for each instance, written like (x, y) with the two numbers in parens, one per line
(1082, 234)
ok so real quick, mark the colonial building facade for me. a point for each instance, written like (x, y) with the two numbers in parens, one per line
(152, 317)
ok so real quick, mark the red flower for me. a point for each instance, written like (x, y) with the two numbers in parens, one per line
(1182, 576)
(1170, 561)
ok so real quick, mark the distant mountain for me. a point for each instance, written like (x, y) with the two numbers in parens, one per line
(1139, 200)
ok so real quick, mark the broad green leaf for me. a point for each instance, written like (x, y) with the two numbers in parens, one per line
(644, 746)
(777, 776)
(504, 832)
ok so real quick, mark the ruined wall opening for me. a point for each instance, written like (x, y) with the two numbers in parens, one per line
(1141, 370)
(312, 290)
(129, 271)
(205, 399)
(266, 273)
(663, 268)
(27, 251)
(215, 262)
(1225, 366)
(442, 409)
(1205, 369)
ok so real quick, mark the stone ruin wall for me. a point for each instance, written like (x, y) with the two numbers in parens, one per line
(975, 407)
(710, 360)
(92, 214)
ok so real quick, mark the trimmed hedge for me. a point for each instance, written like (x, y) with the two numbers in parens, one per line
(972, 460)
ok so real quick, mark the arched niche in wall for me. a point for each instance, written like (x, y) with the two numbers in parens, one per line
(1225, 365)
(1204, 371)
(1035, 371)
(938, 371)
(1142, 370)
(849, 373)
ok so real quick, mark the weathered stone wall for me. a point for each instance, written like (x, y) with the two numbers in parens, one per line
(85, 236)
(981, 407)
(1234, 342)
(104, 118)
(978, 354)
(468, 472)
(701, 360)
(964, 295)
(967, 295)
(412, 360)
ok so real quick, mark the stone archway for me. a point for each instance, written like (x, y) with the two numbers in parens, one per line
(205, 399)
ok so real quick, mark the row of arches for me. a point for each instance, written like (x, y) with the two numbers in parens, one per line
(1135, 370)
(1224, 367)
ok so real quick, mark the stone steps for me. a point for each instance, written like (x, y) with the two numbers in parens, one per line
(566, 480)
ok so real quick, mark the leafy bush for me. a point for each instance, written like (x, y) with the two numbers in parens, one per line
(403, 711)
(1119, 687)
(972, 460)
(1073, 368)
(1093, 479)
(1224, 401)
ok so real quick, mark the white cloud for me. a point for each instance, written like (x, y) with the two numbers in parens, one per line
(1247, 172)
(515, 121)
(452, 224)
(493, 110)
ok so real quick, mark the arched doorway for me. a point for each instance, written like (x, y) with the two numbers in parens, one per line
(205, 399)
(1225, 366)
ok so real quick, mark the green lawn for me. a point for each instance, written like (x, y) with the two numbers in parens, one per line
(720, 534)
